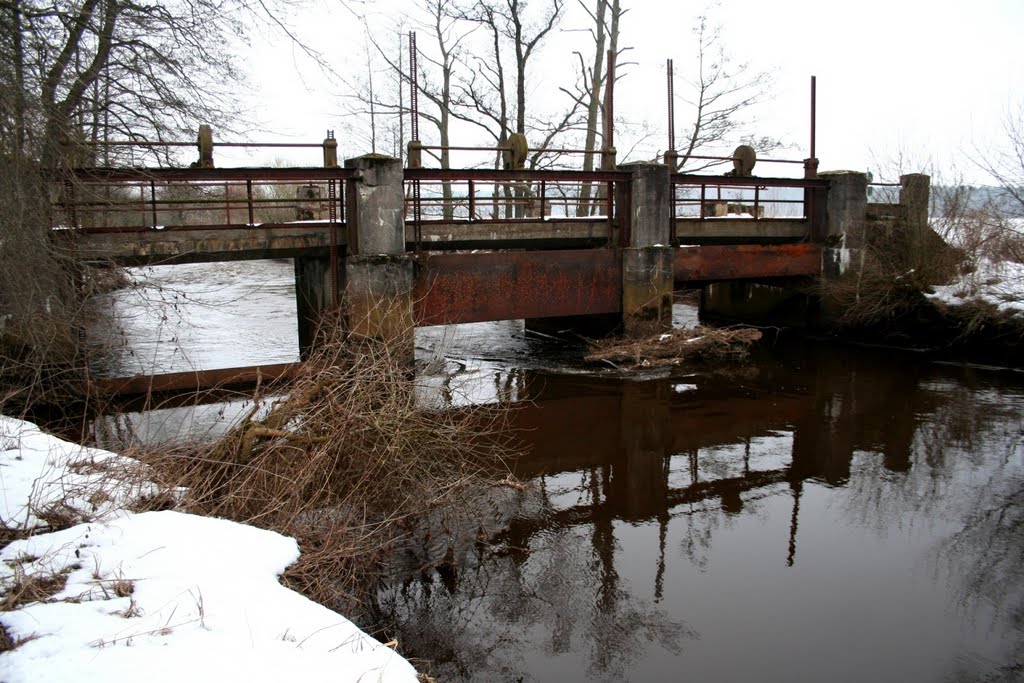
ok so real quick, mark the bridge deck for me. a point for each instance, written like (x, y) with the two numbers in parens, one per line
(201, 244)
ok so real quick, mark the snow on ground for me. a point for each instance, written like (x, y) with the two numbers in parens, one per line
(998, 283)
(155, 596)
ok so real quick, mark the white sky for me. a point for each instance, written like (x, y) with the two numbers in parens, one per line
(928, 81)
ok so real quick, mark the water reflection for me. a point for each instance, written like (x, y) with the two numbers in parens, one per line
(821, 515)
(815, 514)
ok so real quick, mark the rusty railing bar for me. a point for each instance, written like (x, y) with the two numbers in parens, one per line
(98, 175)
(501, 176)
(152, 196)
(248, 196)
(178, 143)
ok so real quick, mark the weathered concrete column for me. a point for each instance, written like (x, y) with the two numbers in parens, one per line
(378, 273)
(915, 194)
(647, 277)
(312, 297)
(845, 236)
(845, 220)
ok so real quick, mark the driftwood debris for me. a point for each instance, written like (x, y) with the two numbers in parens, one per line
(672, 348)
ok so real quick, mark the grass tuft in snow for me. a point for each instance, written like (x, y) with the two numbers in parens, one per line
(24, 586)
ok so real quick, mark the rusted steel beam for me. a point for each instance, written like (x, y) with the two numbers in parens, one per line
(696, 180)
(198, 380)
(491, 175)
(114, 175)
(461, 288)
(746, 261)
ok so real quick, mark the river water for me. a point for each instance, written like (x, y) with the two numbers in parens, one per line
(816, 513)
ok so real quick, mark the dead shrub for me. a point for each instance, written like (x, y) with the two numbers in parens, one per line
(894, 267)
(876, 290)
(342, 462)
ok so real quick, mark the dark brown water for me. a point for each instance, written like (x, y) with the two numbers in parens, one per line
(818, 514)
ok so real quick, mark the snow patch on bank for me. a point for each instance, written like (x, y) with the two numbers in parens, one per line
(998, 283)
(157, 596)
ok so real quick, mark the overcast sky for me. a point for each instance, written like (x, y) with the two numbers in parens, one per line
(930, 81)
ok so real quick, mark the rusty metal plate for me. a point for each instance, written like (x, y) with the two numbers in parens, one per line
(196, 380)
(746, 261)
(462, 288)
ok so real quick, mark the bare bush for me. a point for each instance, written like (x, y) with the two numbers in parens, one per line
(346, 462)
(877, 290)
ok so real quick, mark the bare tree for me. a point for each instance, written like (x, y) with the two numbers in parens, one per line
(138, 70)
(1006, 163)
(495, 96)
(720, 93)
(88, 70)
(495, 99)
(605, 34)
(474, 73)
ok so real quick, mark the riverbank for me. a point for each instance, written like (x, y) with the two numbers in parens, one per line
(977, 317)
(117, 595)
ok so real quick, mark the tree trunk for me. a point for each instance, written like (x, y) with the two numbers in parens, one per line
(584, 207)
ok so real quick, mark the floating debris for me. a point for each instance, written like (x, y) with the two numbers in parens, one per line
(667, 349)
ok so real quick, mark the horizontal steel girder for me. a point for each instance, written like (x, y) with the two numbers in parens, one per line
(746, 262)
(460, 288)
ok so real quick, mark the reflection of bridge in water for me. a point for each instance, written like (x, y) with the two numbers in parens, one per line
(667, 505)
(643, 449)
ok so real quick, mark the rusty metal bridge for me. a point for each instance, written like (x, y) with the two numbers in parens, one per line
(480, 244)
(467, 228)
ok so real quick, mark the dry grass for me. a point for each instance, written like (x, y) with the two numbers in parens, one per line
(7, 643)
(885, 284)
(704, 343)
(24, 588)
(345, 463)
(877, 290)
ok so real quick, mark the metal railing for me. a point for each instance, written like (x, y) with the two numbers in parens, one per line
(463, 196)
(699, 197)
(120, 200)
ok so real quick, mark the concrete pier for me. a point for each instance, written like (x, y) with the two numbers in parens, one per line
(647, 266)
(313, 292)
(845, 220)
(378, 272)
